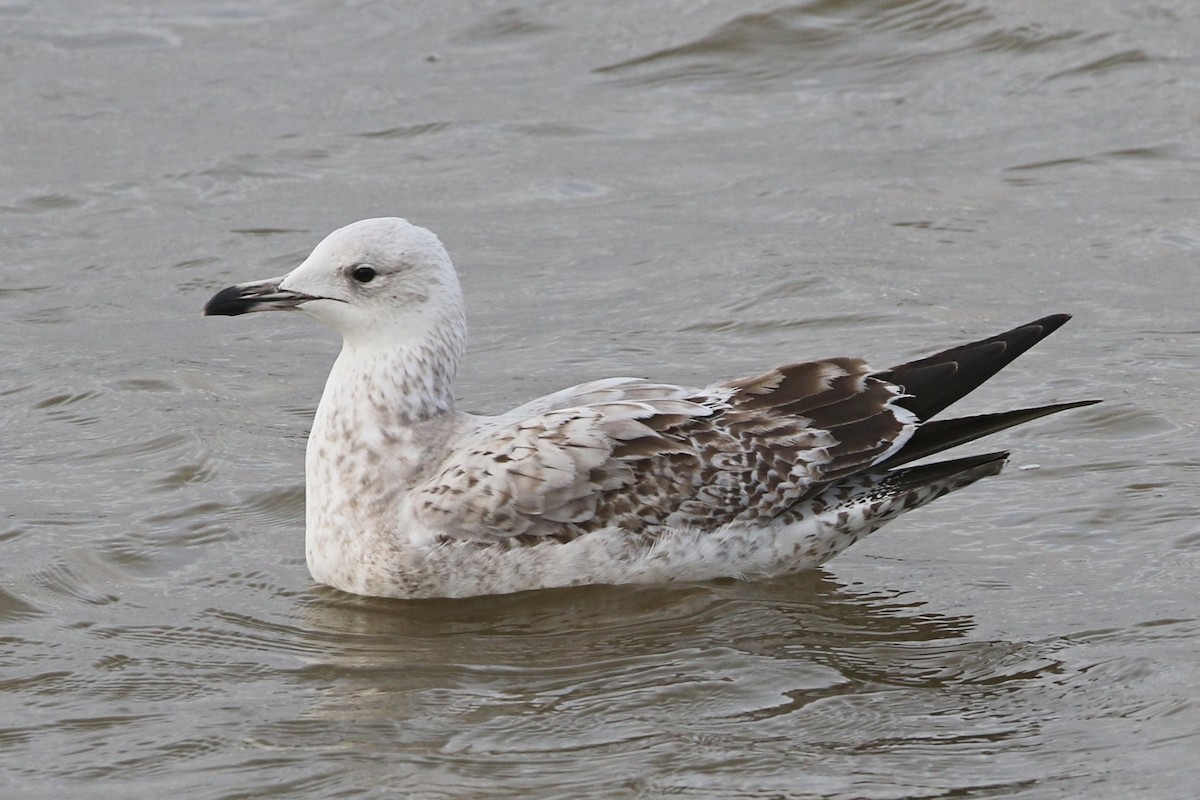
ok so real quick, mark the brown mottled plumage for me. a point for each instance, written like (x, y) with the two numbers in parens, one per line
(739, 452)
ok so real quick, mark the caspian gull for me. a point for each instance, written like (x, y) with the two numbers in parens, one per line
(615, 481)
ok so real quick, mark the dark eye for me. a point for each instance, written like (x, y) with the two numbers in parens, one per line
(363, 274)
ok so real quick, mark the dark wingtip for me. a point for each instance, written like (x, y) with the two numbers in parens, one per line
(229, 302)
(1050, 324)
(965, 367)
(967, 470)
(938, 435)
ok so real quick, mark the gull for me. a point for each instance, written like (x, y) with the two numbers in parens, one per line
(616, 481)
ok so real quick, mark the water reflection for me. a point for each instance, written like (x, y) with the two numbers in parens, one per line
(729, 651)
(642, 676)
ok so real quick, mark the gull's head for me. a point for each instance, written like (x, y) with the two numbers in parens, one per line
(374, 281)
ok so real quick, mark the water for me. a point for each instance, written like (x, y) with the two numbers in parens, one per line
(678, 190)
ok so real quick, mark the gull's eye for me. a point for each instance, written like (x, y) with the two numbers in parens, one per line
(363, 274)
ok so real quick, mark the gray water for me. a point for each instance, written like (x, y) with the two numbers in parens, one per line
(686, 191)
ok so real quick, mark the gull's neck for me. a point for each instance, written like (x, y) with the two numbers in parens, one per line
(385, 408)
(396, 382)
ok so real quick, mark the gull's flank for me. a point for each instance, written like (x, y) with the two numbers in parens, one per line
(615, 481)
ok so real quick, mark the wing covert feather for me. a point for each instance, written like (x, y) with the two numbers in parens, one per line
(644, 456)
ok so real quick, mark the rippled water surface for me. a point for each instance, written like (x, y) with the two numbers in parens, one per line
(682, 190)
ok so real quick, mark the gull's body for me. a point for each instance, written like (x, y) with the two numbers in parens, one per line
(615, 481)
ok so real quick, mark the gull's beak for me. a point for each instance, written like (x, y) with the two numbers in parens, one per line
(255, 296)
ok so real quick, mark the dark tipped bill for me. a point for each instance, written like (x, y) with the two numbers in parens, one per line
(256, 296)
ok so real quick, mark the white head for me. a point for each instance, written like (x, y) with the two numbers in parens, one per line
(379, 282)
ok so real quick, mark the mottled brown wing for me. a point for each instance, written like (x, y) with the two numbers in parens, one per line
(787, 434)
(657, 456)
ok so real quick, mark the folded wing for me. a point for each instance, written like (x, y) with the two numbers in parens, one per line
(644, 456)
